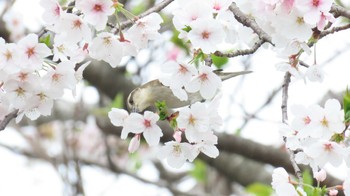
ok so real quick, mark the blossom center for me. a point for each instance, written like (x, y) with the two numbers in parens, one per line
(183, 69)
(203, 77)
(20, 91)
(23, 76)
(77, 24)
(316, 3)
(98, 7)
(8, 55)
(107, 40)
(328, 147)
(147, 123)
(307, 120)
(177, 150)
(205, 34)
(300, 20)
(30, 52)
(324, 122)
(42, 96)
(56, 77)
(191, 120)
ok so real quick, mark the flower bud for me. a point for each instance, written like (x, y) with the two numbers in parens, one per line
(134, 143)
(177, 136)
(333, 192)
(320, 175)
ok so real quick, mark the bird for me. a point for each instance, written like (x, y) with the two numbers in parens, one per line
(145, 96)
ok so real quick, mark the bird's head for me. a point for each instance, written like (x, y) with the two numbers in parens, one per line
(139, 99)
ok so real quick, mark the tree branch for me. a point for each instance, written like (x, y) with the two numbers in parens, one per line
(7, 119)
(337, 11)
(284, 105)
(156, 8)
(252, 50)
(247, 21)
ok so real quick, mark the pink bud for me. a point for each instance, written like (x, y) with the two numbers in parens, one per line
(134, 143)
(320, 175)
(333, 192)
(177, 136)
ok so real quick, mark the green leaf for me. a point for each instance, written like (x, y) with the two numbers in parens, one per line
(138, 9)
(259, 189)
(199, 172)
(163, 110)
(346, 103)
(307, 178)
(118, 101)
(338, 137)
(46, 40)
(218, 61)
(187, 29)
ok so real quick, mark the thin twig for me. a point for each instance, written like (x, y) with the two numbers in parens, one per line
(284, 105)
(337, 11)
(7, 119)
(155, 8)
(334, 29)
(241, 52)
(247, 21)
(285, 87)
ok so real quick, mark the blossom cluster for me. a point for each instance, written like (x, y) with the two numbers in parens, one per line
(74, 31)
(196, 123)
(208, 24)
(29, 83)
(291, 24)
(183, 78)
(316, 133)
(34, 74)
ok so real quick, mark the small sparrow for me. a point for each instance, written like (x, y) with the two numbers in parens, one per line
(145, 96)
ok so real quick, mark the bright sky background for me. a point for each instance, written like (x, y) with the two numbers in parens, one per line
(20, 176)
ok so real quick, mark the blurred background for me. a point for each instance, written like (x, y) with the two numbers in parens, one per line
(76, 151)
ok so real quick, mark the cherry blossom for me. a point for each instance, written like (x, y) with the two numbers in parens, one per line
(62, 49)
(220, 5)
(190, 12)
(321, 175)
(176, 75)
(315, 73)
(118, 116)
(313, 9)
(52, 11)
(206, 82)
(143, 30)
(32, 52)
(134, 143)
(107, 47)
(325, 152)
(206, 34)
(193, 120)
(281, 183)
(63, 76)
(72, 28)
(206, 144)
(176, 153)
(146, 124)
(328, 121)
(9, 57)
(96, 12)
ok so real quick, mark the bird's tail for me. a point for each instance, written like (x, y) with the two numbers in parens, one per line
(228, 75)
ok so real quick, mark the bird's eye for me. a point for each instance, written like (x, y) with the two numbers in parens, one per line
(131, 101)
